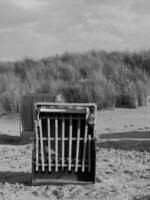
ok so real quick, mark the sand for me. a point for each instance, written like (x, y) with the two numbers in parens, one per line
(123, 161)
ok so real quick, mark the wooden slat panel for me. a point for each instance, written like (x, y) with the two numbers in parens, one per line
(89, 153)
(36, 147)
(84, 148)
(77, 146)
(63, 142)
(41, 146)
(56, 144)
(70, 143)
(49, 144)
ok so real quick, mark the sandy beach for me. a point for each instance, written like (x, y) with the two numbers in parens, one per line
(122, 163)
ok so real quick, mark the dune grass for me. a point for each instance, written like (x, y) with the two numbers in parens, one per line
(108, 79)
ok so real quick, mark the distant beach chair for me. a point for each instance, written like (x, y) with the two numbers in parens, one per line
(27, 114)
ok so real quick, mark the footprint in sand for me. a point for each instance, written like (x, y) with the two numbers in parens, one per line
(98, 180)
(140, 129)
(146, 127)
(108, 129)
(131, 125)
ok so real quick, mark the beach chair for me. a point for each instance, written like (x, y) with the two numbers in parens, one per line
(63, 143)
(27, 115)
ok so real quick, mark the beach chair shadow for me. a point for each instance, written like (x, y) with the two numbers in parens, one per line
(136, 140)
(9, 139)
(15, 177)
(147, 197)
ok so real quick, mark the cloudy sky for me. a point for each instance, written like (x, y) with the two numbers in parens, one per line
(37, 28)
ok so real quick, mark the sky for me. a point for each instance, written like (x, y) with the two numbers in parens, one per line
(41, 28)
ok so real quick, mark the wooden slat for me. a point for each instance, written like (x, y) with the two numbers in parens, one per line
(76, 105)
(49, 145)
(41, 145)
(60, 138)
(36, 147)
(65, 118)
(63, 142)
(56, 144)
(84, 148)
(70, 143)
(77, 146)
(53, 110)
(65, 165)
(89, 153)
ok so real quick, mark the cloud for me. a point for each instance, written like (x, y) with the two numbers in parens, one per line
(42, 27)
(141, 7)
(29, 5)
